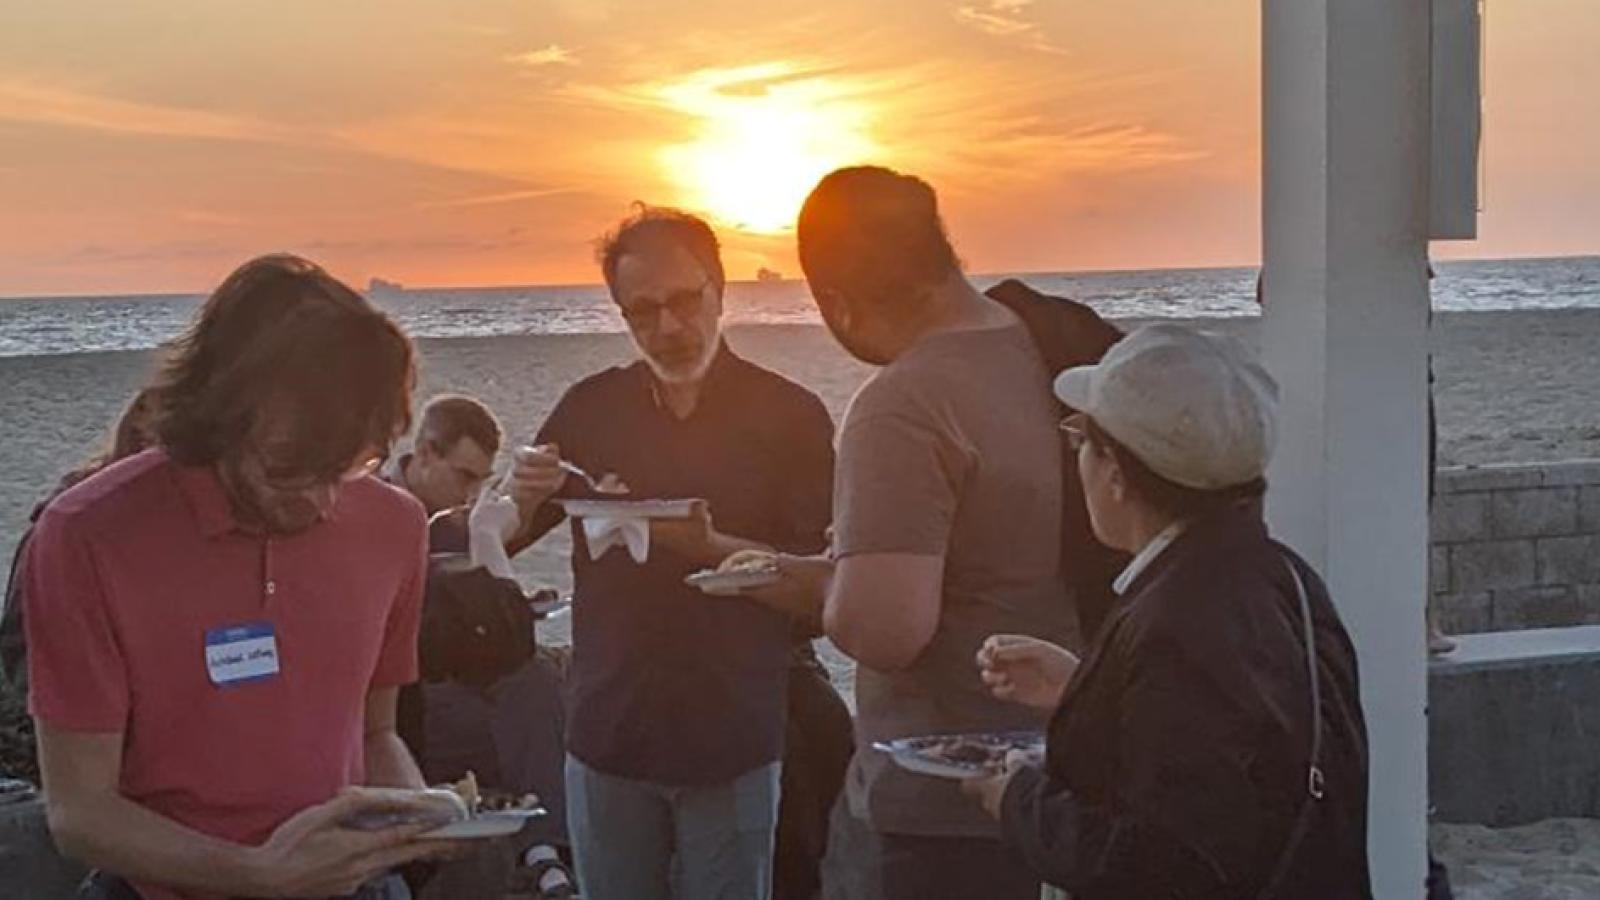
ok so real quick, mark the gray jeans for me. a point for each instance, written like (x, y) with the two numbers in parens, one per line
(634, 840)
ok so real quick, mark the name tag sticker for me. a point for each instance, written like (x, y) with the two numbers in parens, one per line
(240, 654)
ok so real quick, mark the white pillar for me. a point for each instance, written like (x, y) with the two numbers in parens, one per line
(1346, 131)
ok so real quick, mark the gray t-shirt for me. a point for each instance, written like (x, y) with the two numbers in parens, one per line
(952, 450)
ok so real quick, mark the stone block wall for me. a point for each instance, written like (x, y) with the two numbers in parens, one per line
(1517, 546)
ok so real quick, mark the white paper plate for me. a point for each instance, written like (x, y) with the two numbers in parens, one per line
(913, 754)
(498, 823)
(730, 584)
(628, 509)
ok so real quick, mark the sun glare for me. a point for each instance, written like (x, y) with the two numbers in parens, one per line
(766, 135)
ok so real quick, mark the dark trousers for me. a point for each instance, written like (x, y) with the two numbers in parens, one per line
(818, 742)
(510, 735)
(105, 886)
(912, 867)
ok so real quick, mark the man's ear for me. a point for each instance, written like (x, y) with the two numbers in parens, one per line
(838, 306)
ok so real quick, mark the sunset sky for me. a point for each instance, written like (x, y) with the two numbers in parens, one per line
(150, 146)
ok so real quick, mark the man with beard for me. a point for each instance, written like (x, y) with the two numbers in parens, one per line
(947, 518)
(677, 699)
(217, 626)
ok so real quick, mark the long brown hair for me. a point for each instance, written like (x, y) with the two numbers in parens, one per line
(282, 333)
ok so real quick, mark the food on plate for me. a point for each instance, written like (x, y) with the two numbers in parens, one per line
(749, 561)
(479, 800)
(467, 790)
(977, 751)
(496, 801)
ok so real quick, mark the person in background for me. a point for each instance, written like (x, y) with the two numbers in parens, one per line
(947, 518)
(676, 709)
(1211, 744)
(217, 627)
(451, 459)
(131, 434)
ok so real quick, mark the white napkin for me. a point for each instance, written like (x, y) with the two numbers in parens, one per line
(492, 522)
(602, 534)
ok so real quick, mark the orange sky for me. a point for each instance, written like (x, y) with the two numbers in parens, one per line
(152, 145)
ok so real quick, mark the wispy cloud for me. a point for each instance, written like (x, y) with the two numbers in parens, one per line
(1006, 19)
(1101, 148)
(495, 199)
(210, 217)
(553, 55)
(40, 104)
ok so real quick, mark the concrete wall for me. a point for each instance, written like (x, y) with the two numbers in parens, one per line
(1512, 719)
(1517, 547)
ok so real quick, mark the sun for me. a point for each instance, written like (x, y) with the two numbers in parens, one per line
(766, 135)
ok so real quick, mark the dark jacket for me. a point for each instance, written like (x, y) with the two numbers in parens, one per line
(1177, 762)
(1069, 334)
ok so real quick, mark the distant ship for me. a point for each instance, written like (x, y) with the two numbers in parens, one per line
(767, 276)
(378, 287)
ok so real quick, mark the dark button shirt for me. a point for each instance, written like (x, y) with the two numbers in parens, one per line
(670, 685)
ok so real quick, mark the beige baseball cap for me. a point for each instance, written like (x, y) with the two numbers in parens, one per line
(1197, 408)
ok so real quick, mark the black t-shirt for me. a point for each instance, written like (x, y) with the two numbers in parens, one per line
(667, 684)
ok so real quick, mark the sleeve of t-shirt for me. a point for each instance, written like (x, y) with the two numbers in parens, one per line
(77, 677)
(898, 480)
(397, 661)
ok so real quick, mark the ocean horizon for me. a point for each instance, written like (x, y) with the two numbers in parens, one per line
(41, 326)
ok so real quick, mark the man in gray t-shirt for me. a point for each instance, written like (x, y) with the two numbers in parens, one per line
(947, 509)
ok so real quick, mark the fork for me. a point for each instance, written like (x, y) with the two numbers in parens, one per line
(594, 483)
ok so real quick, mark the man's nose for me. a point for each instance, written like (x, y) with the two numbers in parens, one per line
(668, 323)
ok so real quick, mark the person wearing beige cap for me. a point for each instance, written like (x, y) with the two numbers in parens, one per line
(1211, 742)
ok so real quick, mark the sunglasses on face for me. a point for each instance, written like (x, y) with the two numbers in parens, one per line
(684, 306)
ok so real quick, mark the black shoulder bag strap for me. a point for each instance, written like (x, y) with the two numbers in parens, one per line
(1314, 778)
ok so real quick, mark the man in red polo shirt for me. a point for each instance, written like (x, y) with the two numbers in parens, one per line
(217, 627)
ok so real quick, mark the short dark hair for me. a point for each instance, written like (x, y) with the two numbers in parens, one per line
(448, 418)
(282, 333)
(647, 223)
(875, 234)
(1165, 495)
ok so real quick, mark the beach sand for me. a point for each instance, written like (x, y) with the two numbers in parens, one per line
(1554, 860)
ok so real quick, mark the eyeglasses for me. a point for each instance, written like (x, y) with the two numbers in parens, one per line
(683, 305)
(1072, 427)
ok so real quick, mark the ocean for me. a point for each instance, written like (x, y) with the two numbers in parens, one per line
(45, 326)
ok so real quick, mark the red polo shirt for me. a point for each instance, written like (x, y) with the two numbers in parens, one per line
(127, 574)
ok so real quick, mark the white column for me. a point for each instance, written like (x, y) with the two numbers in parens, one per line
(1346, 131)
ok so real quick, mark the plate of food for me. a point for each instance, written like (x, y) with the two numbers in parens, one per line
(962, 756)
(628, 509)
(746, 570)
(460, 812)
